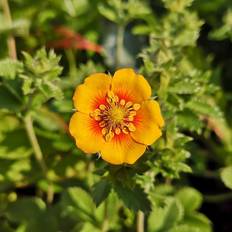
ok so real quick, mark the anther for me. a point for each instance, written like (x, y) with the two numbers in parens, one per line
(97, 112)
(131, 127)
(122, 102)
(102, 124)
(128, 104)
(136, 106)
(109, 136)
(132, 113)
(97, 118)
(102, 107)
(117, 131)
(125, 130)
(130, 118)
(104, 131)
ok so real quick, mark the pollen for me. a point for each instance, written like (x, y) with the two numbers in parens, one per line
(116, 116)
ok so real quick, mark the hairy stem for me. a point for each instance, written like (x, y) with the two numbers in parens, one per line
(140, 221)
(10, 40)
(119, 44)
(38, 153)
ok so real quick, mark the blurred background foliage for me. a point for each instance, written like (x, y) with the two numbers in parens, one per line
(183, 183)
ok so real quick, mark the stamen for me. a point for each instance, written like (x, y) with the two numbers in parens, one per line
(117, 131)
(131, 127)
(128, 104)
(102, 124)
(104, 131)
(109, 136)
(102, 107)
(116, 116)
(97, 118)
(136, 106)
(122, 102)
(130, 118)
(125, 130)
(132, 113)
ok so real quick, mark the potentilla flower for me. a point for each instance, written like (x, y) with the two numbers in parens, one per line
(116, 116)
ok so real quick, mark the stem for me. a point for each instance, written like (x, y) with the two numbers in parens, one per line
(105, 223)
(70, 54)
(119, 44)
(218, 198)
(140, 221)
(10, 40)
(38, 154)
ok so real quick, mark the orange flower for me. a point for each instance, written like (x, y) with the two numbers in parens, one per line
(115, 116)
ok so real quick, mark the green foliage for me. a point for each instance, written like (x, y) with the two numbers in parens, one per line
(46, 183)
(9, 68)
(178, 213)
(226, 175)
(101, 191)
(225, 31)
(135, 198)
(41, 74)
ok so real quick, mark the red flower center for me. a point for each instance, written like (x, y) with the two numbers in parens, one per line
(116, 116)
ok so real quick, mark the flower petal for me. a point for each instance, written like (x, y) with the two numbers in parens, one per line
(148, 122)
(126, 83)
(123, 150)
(92, 93)
(86, 132)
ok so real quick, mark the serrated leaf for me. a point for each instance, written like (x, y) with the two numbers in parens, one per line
(190, 198)
(190, 121)
(101, 191)
(202, 107)
(226, 176)
(184, 87)
(9, 68)
(26, 87)
(135, 199)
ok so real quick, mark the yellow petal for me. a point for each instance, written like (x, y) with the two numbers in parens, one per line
(92, 93)
(130, 86)
(86, 132)
(123, 150)
(148, 122)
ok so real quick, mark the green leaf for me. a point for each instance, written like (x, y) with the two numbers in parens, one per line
(135, 199)
(177, 5)
(107, 12)
(226, 176)
(23, 209)
(141, 30)
(11, 102)
(164, 218)
(190, 198)
(184, 87)
(184, 228)
(198, 221)
(18, 27)
(189, 120)
(9, 68)
(101, 191)
(202, 107)
(79, 202)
